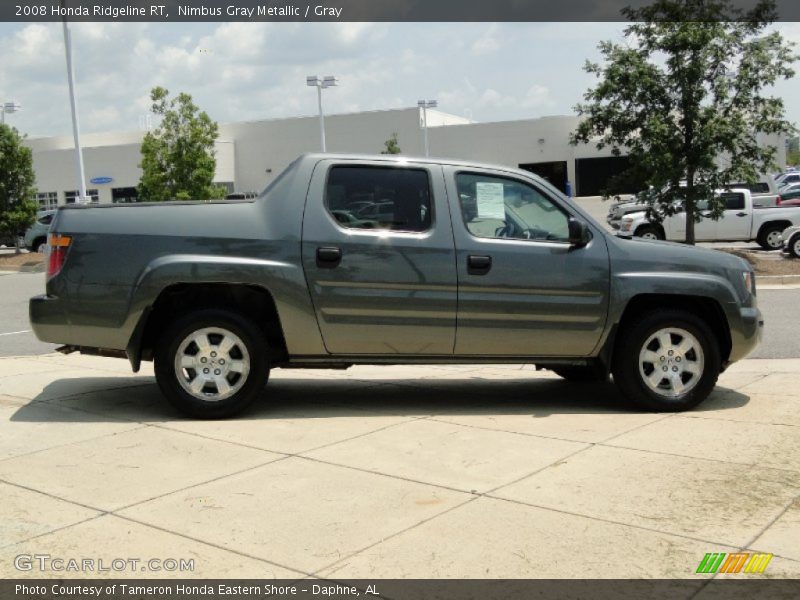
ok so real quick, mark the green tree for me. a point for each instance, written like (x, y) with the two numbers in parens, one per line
(684, 96)
(17, 206)
(391, 146)
(178, 159)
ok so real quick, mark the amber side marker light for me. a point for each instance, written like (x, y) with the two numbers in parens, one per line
(57, 247)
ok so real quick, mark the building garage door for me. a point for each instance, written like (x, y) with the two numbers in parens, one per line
(554, 172)
(592, 175)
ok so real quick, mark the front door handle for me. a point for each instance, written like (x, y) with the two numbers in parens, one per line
(328, 257)
(741, 214)
(478, 264)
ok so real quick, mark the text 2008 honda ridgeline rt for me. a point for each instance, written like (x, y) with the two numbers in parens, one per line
(348, 260)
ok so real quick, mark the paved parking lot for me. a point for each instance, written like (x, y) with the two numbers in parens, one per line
(397, 472)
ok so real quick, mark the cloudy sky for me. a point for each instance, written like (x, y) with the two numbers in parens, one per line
(247, 71)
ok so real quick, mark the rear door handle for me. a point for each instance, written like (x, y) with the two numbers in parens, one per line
(328, 257)
(478, 264)
(741, 214)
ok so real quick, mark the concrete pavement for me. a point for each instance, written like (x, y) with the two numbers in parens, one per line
(378, 472)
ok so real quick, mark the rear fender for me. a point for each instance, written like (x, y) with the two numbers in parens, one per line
(284, 281)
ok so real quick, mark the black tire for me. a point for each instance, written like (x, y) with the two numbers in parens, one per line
(586, 374)
(648, 231)
(767, 239)
(244, 388)
(630, 376)
(39, 245)
(793, 245)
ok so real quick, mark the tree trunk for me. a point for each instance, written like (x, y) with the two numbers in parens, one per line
(690, 206)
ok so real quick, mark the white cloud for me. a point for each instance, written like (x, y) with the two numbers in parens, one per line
(246, 71)
(488, 42)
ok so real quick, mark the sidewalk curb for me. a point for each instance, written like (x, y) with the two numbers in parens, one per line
(37, 268)
(778, 279)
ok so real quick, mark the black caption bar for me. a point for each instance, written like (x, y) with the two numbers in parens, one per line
(394, 589)
(338, 10)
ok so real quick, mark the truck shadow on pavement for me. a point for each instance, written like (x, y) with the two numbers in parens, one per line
(113, 399)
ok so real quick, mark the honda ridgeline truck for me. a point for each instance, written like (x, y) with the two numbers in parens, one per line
(380, 260)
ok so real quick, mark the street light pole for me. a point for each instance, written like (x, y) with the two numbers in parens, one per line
(320, 84)
(425, 105)
(74, 106)
(321, 118)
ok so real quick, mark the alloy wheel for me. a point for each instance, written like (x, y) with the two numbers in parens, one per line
(671, 362)
(212, 364)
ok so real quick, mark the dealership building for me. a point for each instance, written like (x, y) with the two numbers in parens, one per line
(251, 154)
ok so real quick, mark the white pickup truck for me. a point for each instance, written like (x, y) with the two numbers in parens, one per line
(740, 221)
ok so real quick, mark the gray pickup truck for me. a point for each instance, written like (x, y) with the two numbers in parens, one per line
(348, 260)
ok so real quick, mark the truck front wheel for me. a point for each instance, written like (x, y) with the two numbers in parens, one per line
(211, 363)
(794, 245)
(649, 232)
(667, 360)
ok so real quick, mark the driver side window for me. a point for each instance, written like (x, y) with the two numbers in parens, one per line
(495, 207)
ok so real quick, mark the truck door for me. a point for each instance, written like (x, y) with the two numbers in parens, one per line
(736, 219)
(704, 229)
(379, 258)
(523, 290)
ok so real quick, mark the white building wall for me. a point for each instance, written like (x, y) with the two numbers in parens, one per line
(252, 154)
(265, 148)
(114, 155)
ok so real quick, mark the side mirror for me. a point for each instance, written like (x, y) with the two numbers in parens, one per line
(579, 234)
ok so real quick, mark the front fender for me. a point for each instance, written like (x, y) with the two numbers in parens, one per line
(627, 286)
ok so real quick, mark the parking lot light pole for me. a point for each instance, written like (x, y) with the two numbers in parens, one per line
(320, 84)
(425, 105)
(74, 106)
(8, 108)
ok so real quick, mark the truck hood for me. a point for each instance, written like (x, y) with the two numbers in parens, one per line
(672, 257)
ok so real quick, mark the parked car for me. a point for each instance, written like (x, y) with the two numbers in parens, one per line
(790, 195)
(764, 193)
(241, 196)
(620, 209)
(740, 221)
(476, 264)
(8, 241)
(36, 237)
(787, 178)
(791, 240)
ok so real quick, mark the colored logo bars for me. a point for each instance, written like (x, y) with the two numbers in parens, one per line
(738, 562)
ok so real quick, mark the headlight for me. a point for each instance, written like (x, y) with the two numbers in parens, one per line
(749, 281)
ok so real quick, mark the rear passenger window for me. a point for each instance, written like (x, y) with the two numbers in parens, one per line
(382, 198)
(733, 201)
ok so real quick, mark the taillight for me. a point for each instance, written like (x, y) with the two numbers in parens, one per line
(778, 201)
(57, 247)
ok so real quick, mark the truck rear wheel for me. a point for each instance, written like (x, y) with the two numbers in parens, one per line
(666, 361)
(211, 363)
(769, 238)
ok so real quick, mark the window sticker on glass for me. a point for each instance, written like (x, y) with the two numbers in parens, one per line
(490, 200)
